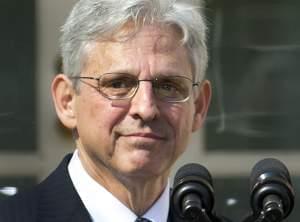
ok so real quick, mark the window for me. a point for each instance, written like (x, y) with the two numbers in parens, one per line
(255, 52)
(17, 75)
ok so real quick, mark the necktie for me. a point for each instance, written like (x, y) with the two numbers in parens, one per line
(141, 219)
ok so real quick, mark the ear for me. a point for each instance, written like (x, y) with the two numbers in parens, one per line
(63, 95)
(201, 104)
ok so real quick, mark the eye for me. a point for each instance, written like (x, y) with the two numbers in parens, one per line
(175, 87)
(117, 85)
(169, 86)
(118, 82)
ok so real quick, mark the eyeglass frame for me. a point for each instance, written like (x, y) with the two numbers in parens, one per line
(194, 84)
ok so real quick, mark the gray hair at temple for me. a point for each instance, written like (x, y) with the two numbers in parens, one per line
(92, 20)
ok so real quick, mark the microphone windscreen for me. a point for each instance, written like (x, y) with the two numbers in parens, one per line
(268, 165)
(192, 170)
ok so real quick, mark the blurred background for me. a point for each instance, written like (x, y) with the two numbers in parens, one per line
(254, 48)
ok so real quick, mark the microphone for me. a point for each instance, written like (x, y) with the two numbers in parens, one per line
(272, 193)
(193, 195)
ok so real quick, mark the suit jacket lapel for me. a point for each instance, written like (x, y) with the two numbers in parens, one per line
(58, 200)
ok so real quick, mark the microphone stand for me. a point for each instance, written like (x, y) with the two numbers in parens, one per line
(262, 217)
(192, 209)
(272, 211)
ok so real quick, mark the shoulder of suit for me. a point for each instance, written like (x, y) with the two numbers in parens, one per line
(24, 205)
(19, 207)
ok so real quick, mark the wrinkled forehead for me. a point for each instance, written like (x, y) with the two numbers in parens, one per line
(158, 38)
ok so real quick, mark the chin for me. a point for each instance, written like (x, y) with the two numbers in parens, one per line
(146, 169)
(143, 163)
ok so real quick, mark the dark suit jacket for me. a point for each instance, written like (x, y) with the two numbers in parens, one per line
(53, 200)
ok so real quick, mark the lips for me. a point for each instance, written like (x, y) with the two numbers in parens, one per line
(145, 135)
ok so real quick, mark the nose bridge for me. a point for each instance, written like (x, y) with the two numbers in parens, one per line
(144, 103)
(146, 80)
(145, 91)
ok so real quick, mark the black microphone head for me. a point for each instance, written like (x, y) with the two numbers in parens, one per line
(271, 177)
(269, 166)
(192, 179)
(192, 170)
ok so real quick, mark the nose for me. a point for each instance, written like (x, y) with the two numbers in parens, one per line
(143, 104)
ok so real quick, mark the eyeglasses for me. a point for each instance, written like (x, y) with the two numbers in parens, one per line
(122, 86)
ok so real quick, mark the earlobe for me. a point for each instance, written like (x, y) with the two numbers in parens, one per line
(201, 104)
(63, 96)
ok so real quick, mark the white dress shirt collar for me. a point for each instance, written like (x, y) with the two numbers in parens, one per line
(103, 206)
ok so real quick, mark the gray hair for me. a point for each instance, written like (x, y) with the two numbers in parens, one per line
(92, 20)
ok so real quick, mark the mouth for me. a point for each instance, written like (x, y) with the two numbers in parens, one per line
(143, 135)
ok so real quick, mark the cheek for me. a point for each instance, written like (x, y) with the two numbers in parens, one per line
(181, 120)
(97, 118)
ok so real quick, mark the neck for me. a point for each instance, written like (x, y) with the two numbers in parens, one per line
(139, 196)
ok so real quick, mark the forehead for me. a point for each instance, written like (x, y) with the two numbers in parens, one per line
(152, 43)
(156, 38)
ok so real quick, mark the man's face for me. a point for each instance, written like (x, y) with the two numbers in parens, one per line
(144, 137)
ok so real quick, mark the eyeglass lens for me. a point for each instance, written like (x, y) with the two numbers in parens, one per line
(122, 86)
